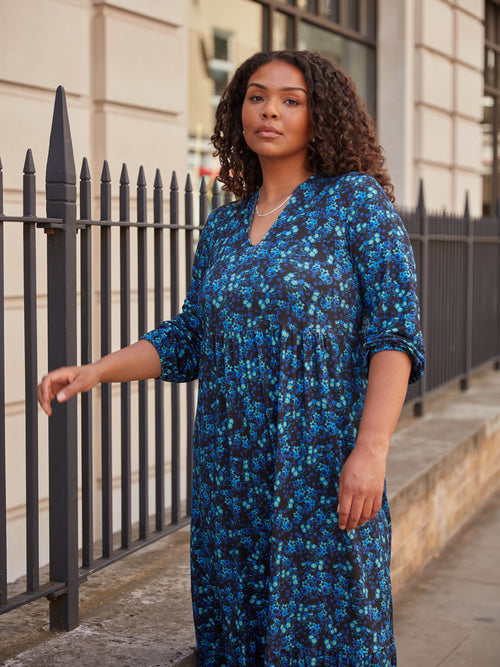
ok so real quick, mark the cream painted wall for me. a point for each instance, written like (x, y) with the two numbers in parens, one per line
(430, 81)
(123, 64)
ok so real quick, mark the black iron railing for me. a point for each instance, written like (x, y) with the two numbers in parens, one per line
(458, 262)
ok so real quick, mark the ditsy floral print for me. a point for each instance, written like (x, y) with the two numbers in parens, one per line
(280, 336)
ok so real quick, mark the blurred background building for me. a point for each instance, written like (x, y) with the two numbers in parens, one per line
(143, 78)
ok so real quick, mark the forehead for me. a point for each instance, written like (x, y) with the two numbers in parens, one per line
(278, 74)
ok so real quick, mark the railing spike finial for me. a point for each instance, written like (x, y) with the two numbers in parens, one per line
(105, 175)
(124, 179)
(203, 186)
(189, 185)
(421, 200)
(60, 171)
(141, 179)
(466, 209)
(158, 182)
(29, 164)
(173, 183)
(85, 171)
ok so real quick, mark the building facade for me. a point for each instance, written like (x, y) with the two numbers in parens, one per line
(143, 78)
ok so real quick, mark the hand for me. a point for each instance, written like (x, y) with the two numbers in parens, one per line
(65, 382)
(361, 486)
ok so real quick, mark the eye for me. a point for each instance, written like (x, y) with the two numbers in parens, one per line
(292, 103)
(254, 98)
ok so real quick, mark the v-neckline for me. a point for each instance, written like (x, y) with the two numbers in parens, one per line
(251, 214)
(252, 201)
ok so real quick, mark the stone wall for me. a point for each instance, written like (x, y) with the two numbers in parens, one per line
(441, 470)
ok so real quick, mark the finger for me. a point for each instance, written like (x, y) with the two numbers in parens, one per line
(370, 510)
(355, 513)
(43, 400)
(70, 390)
(51, 385)
(46, 393)
(377, 504)
(366, 512)
(343, 508)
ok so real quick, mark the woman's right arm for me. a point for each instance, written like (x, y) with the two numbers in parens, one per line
(139, 361)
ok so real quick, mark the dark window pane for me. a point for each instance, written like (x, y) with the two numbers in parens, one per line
(358, 60)
(221, 47)
(349, 13)
(487, 155)
(490, 22)
(329, 9)
(310, 6)
(367, 18)
(497, 70)
(489, 60)
(283, 36)
(221, 80)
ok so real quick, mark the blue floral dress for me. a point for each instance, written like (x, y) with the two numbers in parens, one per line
(280, 336)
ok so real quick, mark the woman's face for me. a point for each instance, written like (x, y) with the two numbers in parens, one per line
(275, 113)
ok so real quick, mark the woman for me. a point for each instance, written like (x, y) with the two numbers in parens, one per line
(302, 327)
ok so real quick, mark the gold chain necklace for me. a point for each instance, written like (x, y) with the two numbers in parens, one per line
(263, 215)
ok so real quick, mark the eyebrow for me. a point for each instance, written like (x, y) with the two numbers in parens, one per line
(286, 89)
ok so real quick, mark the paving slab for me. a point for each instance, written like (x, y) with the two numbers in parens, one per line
(136, 612)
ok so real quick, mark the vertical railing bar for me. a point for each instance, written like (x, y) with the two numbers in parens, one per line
(30, 373)
(142, 299)
(497, 361)
(189, 238)
(62, 351)
(174, 307)
(106, 398)
(159, 388)
(125, 391)
(3, 491)
(215, 195)
(424, 305)
(86, 358)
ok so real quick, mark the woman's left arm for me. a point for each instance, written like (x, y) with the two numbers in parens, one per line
(361, 483)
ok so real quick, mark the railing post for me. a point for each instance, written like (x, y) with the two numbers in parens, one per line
(497, 360)
(61, 287)
(464, 383)
(3, 492)
(424, 301)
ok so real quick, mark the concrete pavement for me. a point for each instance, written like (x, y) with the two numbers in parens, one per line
(450, 615)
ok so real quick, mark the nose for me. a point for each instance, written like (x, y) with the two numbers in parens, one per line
(270, 109)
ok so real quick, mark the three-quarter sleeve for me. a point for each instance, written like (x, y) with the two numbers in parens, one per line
(385, 267)
(178, 341)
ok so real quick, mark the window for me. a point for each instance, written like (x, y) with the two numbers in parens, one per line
(342, 30)
(490, 158)
(222, 64)
(222, 33)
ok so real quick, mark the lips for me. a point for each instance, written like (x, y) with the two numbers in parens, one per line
(267, 131)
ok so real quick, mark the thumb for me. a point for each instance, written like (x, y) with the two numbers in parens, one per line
(77, 384)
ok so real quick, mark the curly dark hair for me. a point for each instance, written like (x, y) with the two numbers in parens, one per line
(344, 137)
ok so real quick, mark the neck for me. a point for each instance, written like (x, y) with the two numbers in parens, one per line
(279, 180)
